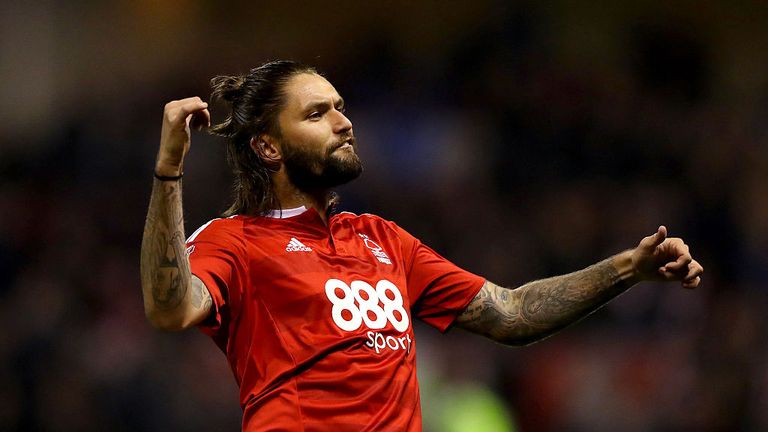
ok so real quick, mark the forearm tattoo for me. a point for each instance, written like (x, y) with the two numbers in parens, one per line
(165, 270)
(541, 308)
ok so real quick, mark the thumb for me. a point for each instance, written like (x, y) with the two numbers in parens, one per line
(656, 239)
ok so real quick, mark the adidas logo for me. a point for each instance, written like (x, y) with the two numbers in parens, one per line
(297, 246)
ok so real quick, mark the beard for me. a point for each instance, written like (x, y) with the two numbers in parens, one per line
(319, 169)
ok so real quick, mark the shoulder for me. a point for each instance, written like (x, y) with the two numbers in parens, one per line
(220, 228)
(362, 217)
(367, 219)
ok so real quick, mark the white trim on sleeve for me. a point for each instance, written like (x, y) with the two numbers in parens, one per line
(199, 230)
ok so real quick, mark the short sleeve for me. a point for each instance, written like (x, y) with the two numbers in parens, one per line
(439, 290)
(215, 256)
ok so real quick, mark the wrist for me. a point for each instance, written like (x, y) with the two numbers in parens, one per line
(164, 169)
(164, 178)
(626, 268)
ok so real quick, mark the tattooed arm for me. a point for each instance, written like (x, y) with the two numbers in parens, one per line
(541, 308)
(538, 309)
(174, 299)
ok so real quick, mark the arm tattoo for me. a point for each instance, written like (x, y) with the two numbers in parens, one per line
(170, 286)
(165, 273)
(201, 298)
(541, 308)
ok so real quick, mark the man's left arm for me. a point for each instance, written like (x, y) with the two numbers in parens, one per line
(541, 308)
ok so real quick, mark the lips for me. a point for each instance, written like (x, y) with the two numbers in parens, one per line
(345, 143)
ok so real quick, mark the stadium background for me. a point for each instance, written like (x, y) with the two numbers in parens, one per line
(520, 139)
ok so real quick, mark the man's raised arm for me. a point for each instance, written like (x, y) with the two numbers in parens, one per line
(538, 309)
(173, 298)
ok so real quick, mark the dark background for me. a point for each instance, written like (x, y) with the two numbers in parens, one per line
(518, 139)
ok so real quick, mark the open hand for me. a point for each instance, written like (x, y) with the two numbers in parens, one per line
(666, 259)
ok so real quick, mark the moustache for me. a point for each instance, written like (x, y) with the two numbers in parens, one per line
(347, 138)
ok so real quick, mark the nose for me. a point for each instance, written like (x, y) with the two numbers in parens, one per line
(341, 123)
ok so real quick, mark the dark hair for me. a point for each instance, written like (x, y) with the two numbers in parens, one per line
(254, 99)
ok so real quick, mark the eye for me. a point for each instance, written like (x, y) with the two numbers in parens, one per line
(314, 116)
(342, 109)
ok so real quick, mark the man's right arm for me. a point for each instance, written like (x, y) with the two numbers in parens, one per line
(538, 309)
(174, 299)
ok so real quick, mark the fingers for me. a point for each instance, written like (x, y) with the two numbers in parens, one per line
(178, 112)
(654, 240)
(178, 117)
(199, 120)
(188, 105)
(677, 248)
(693, 283)
(680, 265)
(694, 271)
(192, 107)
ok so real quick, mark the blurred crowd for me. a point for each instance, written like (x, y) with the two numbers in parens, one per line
(520, 141)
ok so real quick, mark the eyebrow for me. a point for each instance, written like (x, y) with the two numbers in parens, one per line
(323, 103)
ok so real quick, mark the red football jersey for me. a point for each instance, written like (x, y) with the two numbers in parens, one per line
(316, 320)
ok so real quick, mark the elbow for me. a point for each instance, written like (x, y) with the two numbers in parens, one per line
(166, 321)
(520, 340)
(517, 342)
(166, 316)
(523, 342)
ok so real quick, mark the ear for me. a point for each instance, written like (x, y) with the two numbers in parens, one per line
(267, 150)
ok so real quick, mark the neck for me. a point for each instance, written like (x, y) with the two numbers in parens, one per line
(290, 196)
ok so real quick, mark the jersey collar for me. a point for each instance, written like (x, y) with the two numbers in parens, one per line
(286, 213)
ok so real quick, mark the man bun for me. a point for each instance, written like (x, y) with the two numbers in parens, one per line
(227, 88)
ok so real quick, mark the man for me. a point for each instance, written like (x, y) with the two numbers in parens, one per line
(314, 310)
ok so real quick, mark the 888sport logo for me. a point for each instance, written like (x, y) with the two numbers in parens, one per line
(360, 303)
